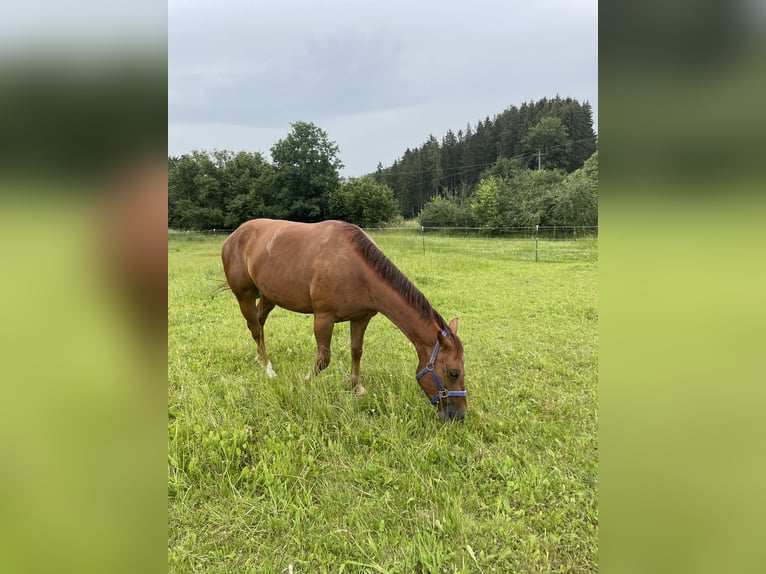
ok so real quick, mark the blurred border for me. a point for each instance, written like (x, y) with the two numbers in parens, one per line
(83, 114)
(83, 238)
(682, 311)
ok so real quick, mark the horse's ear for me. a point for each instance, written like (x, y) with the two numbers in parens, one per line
(453, 325)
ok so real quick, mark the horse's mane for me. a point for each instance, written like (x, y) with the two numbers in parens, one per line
(394, 278)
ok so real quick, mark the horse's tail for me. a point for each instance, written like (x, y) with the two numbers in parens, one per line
(222, 286)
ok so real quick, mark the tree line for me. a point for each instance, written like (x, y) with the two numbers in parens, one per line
(509, 196)
(551, 134)
(222, 189)
(536, 164)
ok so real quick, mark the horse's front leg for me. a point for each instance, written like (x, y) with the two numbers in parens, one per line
(357, 338)
(323, 326)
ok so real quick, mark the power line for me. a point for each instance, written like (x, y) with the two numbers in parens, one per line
(466, 168)
(463, 170)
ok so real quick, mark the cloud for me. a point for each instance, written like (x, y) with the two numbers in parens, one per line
(262, 65)
(187, 136)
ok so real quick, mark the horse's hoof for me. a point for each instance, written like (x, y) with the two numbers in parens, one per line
(359, 390)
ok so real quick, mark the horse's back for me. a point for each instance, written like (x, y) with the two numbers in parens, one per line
(283, 238)
(296, 265)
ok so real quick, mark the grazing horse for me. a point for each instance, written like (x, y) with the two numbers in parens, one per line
(335, 271)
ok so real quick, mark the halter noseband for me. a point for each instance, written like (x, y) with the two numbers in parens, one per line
(429, 368)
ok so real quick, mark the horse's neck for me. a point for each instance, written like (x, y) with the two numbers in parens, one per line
(421, 332)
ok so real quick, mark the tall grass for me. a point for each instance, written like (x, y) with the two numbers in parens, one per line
(275, 475)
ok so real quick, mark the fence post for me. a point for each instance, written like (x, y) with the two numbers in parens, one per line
(537, 238)
(423, 236)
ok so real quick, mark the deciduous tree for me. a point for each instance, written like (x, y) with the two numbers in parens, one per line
(306, 168)
(364, 202)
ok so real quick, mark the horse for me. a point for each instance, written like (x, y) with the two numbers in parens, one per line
(335, 271)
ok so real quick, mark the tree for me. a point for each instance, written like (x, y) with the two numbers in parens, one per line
(469, 157)
(450, 161)
(550, 138)
(561, 128)
(379, 176)
(250, 179)
(363, 201)
(486, 202)
(408, 183)
(432, 169)
(525, 199)
(508, 125)
(306, 168)
(577, 201)
(578, 120)
(531, 195)
(218, 190)
(195, 199)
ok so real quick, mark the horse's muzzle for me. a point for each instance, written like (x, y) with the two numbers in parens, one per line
(451, 410)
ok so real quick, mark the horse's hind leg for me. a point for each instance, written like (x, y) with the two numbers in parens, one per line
(256, 316)
(265, 306)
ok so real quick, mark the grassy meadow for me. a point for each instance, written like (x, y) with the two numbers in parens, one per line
(276, 475)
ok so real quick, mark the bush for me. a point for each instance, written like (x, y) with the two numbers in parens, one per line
(577, 201)
(441, 212)
(362, 201)
(525, 199)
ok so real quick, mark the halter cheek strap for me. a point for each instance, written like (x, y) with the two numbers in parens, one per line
(429, 368)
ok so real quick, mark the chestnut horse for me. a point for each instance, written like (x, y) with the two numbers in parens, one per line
(335, 271)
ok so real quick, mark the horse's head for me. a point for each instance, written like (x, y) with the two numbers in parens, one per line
(442, 377)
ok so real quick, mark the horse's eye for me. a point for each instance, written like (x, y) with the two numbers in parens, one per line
(453, 374)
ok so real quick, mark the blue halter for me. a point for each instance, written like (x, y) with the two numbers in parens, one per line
(429, 368)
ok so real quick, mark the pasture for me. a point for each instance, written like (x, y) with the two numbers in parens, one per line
(276, 475)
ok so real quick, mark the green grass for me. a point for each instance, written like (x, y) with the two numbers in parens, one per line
(278, 475)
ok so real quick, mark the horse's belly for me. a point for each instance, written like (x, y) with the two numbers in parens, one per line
(288, 297)
(344, 300)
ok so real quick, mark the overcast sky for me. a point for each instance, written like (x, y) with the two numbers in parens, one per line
(377, 76)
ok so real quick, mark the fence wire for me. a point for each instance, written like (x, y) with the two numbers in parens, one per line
(541, 244)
